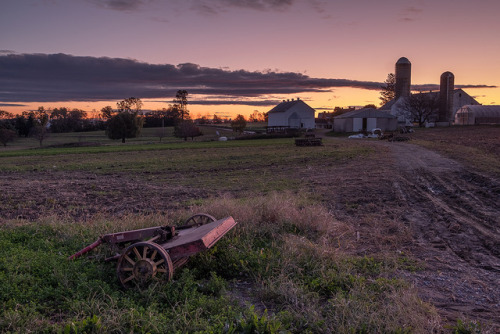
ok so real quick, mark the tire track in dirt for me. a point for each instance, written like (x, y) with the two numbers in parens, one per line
(454, 214)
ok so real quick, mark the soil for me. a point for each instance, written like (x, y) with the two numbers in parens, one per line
(455, 217)
(405, 198)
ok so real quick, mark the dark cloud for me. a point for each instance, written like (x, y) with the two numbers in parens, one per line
(120, 5)
(410, 14)
(216, 6)
(257, 103)
(62, 77)
(11, 105)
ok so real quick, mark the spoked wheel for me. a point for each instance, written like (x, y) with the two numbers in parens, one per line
(143, 263)
(199, 219)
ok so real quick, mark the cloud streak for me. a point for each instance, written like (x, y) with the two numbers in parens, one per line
(61, 77)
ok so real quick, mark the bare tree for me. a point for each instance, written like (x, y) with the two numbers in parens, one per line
(40, 133)
(181, 102)
(420, 107)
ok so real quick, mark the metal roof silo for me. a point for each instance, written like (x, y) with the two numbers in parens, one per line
(447, 87)
(403, 77)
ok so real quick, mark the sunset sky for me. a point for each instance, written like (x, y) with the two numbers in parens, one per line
(237, 56)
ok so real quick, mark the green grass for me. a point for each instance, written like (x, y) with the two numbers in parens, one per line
(274, 249)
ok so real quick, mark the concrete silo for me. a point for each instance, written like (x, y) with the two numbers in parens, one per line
(403, 78)
(446, 91)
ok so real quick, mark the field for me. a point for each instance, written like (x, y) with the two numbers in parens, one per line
(356, 236)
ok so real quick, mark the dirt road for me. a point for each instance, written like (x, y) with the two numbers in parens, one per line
(454, 214)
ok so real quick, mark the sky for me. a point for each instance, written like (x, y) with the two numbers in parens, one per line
(237, 56)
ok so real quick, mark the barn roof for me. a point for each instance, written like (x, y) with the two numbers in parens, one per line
(285, 105)
(366, 113)
(481, 111)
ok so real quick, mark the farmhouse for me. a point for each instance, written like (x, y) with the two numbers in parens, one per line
(477, 114)
(291, 114)
(365, 119)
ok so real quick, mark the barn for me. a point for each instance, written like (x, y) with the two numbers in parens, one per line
(477, 114)
(291, 114)
(365, 119)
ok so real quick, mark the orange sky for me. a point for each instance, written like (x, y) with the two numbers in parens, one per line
(354, 40)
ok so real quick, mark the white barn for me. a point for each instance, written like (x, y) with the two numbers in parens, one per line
(291, 114)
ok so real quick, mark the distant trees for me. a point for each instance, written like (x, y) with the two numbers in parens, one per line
(65, 120)
(238, 124)
(126, 121)
(388, 89)
(420, 107)
(257, 116)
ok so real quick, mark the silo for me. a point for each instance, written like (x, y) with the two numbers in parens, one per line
(447, 87)
(403, 78)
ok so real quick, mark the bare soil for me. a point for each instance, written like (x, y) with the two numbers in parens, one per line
(404, 198)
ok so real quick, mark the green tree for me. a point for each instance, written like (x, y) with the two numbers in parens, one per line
(239, 123)
(126, 122)
(388, 89)
(187, 129)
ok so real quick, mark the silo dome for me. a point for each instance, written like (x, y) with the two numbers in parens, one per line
(403, 60)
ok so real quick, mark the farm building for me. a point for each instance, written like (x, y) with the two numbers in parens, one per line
(477, 114)
(291, 114)
(365, 120)
(450, 99)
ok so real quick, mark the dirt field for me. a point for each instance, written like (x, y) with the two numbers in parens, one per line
(405, 198)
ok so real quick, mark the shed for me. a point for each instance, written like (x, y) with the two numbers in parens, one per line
(478, 114)
(365, 119)
(291, 114)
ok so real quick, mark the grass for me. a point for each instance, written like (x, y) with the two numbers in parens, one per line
(277, 247)
(293, 255)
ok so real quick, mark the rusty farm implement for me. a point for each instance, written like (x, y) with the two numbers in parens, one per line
(152, 254)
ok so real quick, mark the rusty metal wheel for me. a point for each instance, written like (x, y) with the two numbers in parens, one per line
(199, 219)
(143, 263)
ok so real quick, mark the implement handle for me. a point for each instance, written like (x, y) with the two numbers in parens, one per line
(86, 249)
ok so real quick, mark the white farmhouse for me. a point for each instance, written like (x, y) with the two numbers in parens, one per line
(291, 114)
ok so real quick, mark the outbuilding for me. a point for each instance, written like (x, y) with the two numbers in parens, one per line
(365, 119)
(291, 114)
(477, 114)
